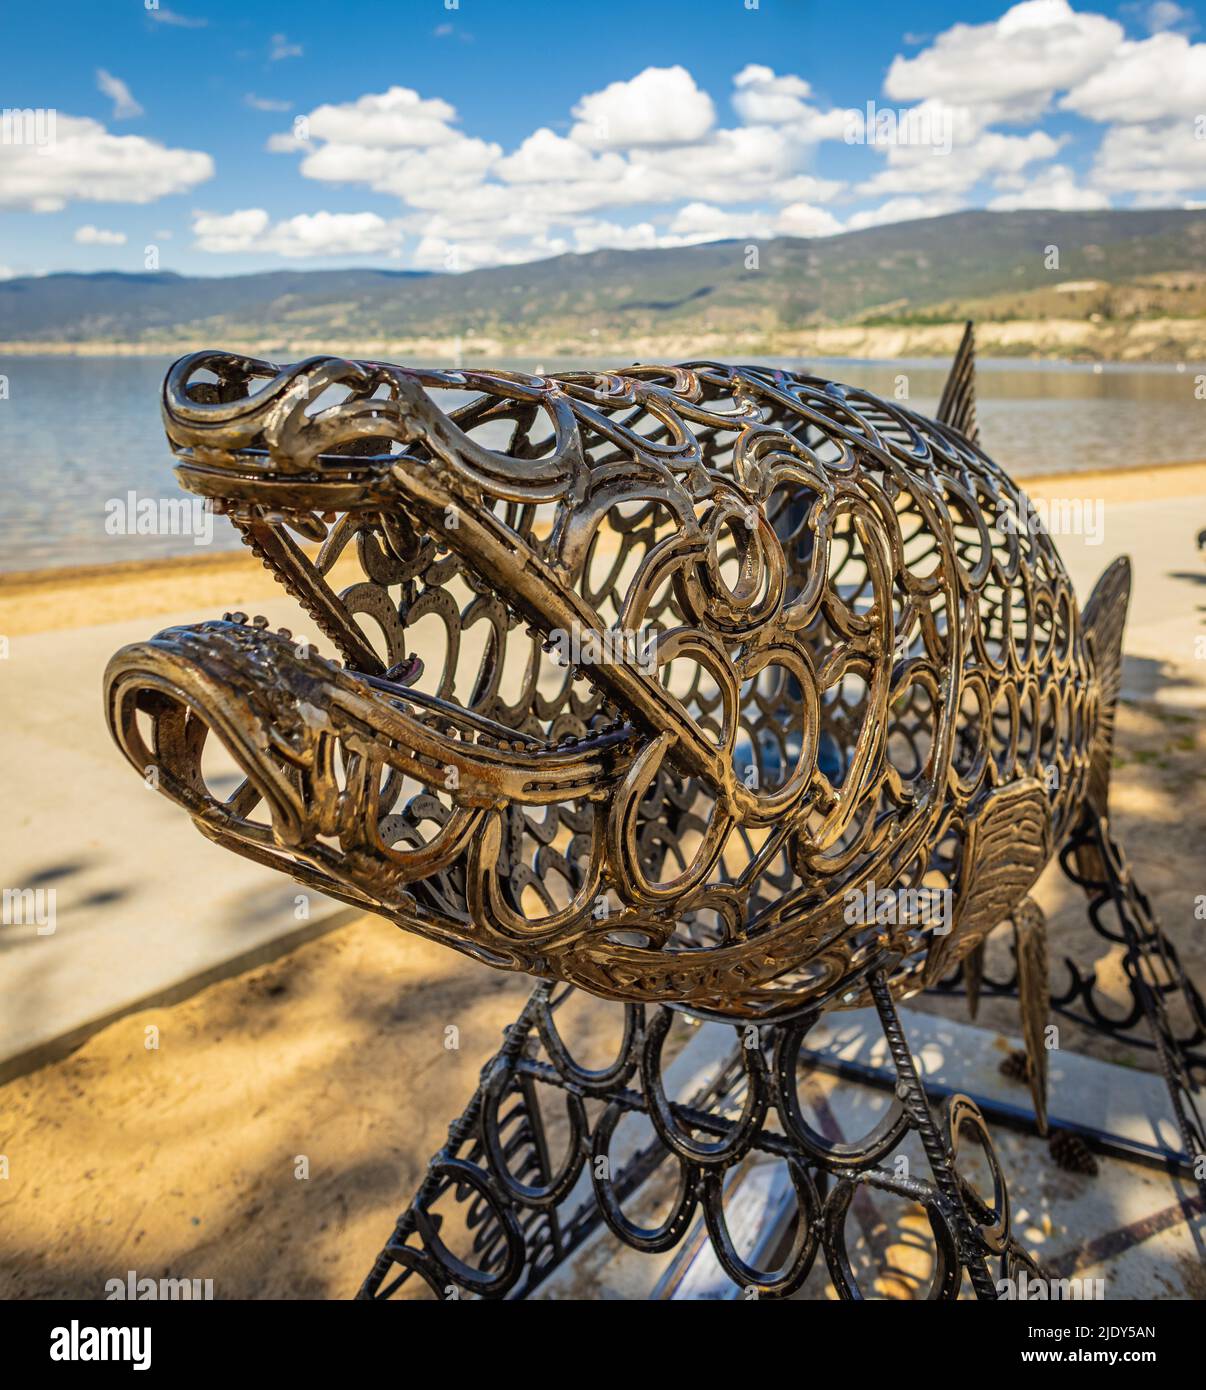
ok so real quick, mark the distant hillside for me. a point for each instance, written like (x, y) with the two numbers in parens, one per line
(133, 308)
(1140, 266)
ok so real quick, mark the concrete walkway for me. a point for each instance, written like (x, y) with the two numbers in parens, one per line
(146, 910)
(1167, 619)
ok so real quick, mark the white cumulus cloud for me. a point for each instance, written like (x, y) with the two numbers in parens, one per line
(705, 222)
(763, 97)
(1055, 186)
(802, 219)
(1161, 78)
(545, 157)
(1162, 163)
(902, 210)
(84, 162)
(922, 168)
(659, 106)
(396, 119)
(594, 236)
(697, 222)
(1041, 57)
(1012, 65)
(646, 161)
(307, 234)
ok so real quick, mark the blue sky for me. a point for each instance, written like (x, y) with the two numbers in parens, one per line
(428, 134)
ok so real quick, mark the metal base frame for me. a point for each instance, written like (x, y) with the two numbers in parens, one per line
(497, 1161)
(1121, 913)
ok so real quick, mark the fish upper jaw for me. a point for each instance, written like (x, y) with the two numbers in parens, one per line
(272, 451)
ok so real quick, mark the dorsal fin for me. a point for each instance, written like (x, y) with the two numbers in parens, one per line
(958, 405)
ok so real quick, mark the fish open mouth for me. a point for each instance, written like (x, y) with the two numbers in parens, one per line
(366, 779)
(336, 768)
(612, 661)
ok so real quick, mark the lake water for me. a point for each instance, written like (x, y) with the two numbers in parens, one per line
(76, 432)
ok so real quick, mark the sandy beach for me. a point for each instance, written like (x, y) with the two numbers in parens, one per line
(85, 595)
(182, 1160)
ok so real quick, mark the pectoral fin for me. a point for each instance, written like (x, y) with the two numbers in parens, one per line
(1008, 841)
(1103, 618)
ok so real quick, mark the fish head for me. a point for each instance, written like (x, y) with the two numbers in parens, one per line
(606, 671)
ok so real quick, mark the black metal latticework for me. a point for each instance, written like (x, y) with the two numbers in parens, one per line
(497, 1157)
(517, 1226)
(1166, 1012)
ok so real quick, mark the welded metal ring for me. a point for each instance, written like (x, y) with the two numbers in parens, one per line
(649, 1239)
(857, 1153)
(960, 1113)
(421, 1263)
(593, 1081)
(665, 1114)
(488, 1283)
(948, 1269)
(792, 1273)
(497, 1088)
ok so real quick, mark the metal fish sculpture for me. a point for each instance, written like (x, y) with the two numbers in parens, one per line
(733, 666)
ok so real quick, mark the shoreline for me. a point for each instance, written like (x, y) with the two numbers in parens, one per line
(1077, 342)
(218, 561)
(1191, 472)
(70, 596)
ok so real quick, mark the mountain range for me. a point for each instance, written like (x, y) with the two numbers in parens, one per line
(1134, 282)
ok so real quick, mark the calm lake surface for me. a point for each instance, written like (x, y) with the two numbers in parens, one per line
(76, 432)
